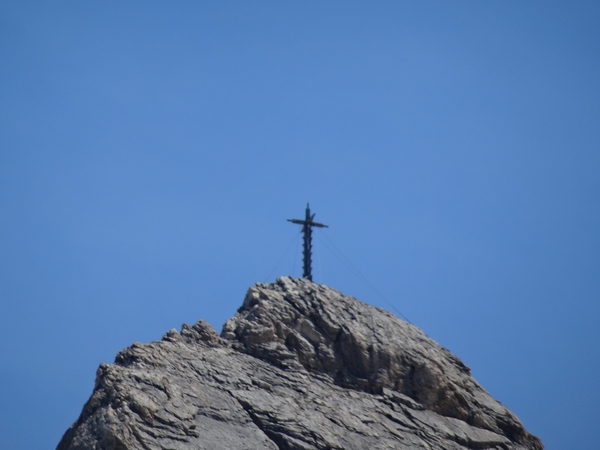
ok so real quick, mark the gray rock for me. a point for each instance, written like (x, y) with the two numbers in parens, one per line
(299, 366)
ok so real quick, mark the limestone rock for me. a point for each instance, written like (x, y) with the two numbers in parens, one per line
(299, 366)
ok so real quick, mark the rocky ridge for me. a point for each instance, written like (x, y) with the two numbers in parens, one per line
(299, 366)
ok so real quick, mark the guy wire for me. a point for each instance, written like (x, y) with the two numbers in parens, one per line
(358, 273)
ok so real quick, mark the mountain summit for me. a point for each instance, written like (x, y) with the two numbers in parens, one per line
(299, 366)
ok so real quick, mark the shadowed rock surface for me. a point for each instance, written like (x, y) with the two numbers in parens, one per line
(299, 366)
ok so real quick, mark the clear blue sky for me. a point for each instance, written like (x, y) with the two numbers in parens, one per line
(151, 152)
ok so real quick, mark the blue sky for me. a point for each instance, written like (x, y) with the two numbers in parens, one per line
(151, 152)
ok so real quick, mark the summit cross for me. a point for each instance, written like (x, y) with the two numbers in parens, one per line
(307, 225)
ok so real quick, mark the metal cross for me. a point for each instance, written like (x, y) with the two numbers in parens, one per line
(307, 225)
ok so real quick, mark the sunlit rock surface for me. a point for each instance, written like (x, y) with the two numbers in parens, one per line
(299, 366)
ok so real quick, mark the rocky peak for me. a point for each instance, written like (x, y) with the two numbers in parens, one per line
(299, 366)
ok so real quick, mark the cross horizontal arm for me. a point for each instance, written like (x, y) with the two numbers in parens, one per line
(317, 224)
(310, 223)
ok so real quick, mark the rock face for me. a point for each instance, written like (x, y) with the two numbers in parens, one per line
(299, 366)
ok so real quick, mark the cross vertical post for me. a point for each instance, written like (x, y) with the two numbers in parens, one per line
(307, 225)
